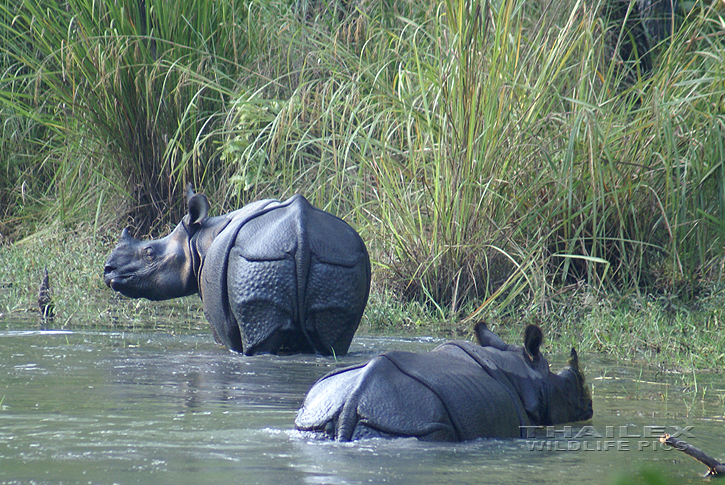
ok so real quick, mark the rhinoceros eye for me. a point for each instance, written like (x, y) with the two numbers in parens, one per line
(149, 254)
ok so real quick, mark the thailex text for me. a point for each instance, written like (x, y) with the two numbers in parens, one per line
(608, 438)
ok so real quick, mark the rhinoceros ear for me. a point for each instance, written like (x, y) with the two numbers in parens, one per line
(487, 338)
(481, 330)
(533, 338)
(198, 206)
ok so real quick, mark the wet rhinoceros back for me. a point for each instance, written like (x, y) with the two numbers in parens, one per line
(288, 276)
(477, 402)
(453, 398)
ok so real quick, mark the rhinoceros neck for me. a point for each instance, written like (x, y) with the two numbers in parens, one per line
(213, 226)
(201, 241)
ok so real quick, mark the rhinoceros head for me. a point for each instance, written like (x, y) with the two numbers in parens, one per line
(571, 399)
(159, 269)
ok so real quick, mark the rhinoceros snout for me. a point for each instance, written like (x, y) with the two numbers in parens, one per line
(119, 282)
(109, 272)
(107, 277)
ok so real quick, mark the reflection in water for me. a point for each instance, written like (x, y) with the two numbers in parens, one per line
(128, 407)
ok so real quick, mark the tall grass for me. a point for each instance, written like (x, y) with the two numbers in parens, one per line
(497, 151)
(123, 88)
(490, 152)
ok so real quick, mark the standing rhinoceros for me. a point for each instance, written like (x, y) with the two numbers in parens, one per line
(456, 392)
(272, 276)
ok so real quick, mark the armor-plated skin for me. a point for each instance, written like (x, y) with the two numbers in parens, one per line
(457, 392)
(273, 276)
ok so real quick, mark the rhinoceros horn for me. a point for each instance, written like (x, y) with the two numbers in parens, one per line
(125, 236)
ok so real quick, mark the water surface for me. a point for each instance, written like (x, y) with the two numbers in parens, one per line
(152, 407)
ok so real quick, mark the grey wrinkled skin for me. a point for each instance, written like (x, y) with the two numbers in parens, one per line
(457, 392)
(273, 276)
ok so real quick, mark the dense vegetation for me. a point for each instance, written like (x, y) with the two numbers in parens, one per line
(500, 157)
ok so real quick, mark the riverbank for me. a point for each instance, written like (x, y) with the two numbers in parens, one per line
(655, 330)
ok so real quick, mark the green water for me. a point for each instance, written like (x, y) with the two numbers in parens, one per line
(108, 407)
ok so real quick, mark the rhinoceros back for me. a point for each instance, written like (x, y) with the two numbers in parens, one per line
(442, 395)
(288, 276)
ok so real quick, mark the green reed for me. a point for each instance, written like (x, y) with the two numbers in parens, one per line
(121, 88)
(493, 154)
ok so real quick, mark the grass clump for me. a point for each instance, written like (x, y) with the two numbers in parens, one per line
(652, 329)
(120, 95)
(491, 150)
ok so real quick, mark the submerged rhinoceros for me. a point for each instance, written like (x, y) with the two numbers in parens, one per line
(457, 392)
(273, 276)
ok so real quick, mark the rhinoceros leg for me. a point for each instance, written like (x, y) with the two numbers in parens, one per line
(380, 406)
(325, 401)
(264, 303)
(335, 299)
(335, 278)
